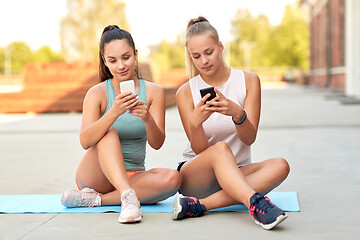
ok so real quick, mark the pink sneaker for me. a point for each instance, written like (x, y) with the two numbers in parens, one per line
(130, 207)
(85, 198)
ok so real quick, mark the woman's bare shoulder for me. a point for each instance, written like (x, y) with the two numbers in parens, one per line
(153, 87)
(252, 80)
(97, 90)
(183, 90)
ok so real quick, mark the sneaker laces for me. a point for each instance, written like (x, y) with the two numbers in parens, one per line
(87, 197)
(193, 207)
(263, 204)
(129, 199)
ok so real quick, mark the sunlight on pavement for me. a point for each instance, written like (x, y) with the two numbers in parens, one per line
(273, 85)
(6, 118)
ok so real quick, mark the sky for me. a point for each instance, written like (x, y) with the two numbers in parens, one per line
(37, 22)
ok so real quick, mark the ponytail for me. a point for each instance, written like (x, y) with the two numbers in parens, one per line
(197, 26)
(111, 33)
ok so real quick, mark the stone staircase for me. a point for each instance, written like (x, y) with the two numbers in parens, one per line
(60, 87)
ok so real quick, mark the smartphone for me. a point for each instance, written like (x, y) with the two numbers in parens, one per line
(127, 86)
(205, 91)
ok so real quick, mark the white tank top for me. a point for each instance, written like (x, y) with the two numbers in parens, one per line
(219, 127)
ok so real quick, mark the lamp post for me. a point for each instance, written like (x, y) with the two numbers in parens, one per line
(247, 46)
(7, 56)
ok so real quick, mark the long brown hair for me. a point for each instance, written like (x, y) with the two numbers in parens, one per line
(111, 33)
(197, 26)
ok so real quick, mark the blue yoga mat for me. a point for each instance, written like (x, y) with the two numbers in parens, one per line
(287, 201)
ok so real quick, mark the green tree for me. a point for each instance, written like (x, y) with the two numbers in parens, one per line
(20, 55)
(45, 54)
(2, 60)
(161, 56)
(284, 45)
(170, 55)
(81, 29)
(250, 36)
(289, 44)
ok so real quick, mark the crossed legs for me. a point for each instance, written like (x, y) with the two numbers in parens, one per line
(102, 169)
(214, 177)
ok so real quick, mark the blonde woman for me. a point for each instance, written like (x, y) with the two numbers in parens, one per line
(217, 170)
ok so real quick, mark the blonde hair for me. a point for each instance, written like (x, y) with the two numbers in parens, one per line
(197, 26)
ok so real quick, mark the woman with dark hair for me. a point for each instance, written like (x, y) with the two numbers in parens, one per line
(115, 128)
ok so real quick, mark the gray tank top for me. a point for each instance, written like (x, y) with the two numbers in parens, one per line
(131, 130)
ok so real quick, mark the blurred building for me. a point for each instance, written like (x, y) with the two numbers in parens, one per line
(61, 87)
(335, 44)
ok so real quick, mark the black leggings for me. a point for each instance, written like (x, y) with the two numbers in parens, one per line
(180, 165)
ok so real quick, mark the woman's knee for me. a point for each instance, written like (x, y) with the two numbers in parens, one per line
(221, 149)
(283, 166)
(221, 152)
(110, 136)
(112, 132)
(221, 146)
(171, 179)
(174, 178)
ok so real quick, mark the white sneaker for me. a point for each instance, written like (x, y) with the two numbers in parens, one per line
(85, 198)
(130, 207)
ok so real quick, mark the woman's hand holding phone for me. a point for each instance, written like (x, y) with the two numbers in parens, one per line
(127, 98)
(199, 114)
(124, 101)
(206, 91)
(127, 86)
(222, 105)
(140, 110)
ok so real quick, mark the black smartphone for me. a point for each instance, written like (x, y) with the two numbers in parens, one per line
(205, 91)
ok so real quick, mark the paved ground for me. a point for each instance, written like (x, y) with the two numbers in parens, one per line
(308, 126)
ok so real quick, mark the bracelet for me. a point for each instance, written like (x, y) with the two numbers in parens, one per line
(242, 120)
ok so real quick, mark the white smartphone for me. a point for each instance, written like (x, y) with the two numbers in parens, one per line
(127, 86)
